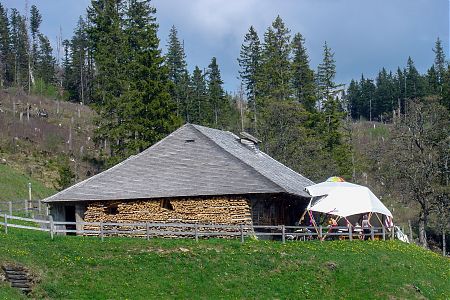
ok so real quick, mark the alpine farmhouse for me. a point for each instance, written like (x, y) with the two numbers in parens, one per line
(194, 175)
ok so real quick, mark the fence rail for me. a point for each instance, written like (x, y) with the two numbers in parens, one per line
(24, 207)
(151, 229)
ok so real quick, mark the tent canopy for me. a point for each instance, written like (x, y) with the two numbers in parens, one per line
(344, 199)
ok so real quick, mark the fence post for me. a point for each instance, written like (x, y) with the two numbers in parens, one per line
(10, 208)
(444, 244)
(372, 234)
(39, 206)
(47, 212)
(50, 218)
(196, 231)
(392, 233)
(350, 233)
(320, 232)
(384, 232)
(101, 231)
(6, 224)
(31, 206)
(242, 232)
(283, 234)
(410, 231)
(147, 230)
(26, 207)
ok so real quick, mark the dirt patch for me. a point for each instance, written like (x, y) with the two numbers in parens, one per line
(331, 265)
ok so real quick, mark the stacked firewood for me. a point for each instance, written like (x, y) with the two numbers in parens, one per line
(217, 210)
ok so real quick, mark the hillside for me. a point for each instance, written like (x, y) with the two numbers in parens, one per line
(81, 267)
(14, 186)
(38, 135)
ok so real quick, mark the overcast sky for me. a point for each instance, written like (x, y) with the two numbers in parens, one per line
(364, 34)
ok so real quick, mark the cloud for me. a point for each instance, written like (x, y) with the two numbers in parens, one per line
(365, 35)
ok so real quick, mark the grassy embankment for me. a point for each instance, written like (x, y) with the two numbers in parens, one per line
(14, 185)
(120, 268)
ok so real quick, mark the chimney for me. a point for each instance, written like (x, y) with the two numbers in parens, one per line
(249, 141)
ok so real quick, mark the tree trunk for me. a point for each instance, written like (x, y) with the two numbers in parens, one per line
(422, 233)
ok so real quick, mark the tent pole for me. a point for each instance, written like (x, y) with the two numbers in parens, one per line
(337, 220)
(313, 221)
(348, 222)
(302, 217)
(379, 219)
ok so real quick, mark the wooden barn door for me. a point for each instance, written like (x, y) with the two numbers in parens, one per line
(70, 217)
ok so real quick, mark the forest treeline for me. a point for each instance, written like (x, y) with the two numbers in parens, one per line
(114, 63)
(388, 94)
(26, 55)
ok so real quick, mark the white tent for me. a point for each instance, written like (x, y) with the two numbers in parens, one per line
(344, 199)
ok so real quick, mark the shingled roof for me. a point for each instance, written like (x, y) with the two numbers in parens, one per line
(192, 161)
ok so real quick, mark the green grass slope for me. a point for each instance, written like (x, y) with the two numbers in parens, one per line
(123, 268)
(14, 185)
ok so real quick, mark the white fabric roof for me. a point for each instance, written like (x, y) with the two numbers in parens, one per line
(344, 199)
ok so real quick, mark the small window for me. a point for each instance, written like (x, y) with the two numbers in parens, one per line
(112, 210)
(165, 203)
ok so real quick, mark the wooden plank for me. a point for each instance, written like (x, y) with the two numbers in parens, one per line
(28, 220)
(27, 227)
(266, 227)
(267, 233)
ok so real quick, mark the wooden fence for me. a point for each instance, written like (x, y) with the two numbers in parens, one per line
(150, 229)
(24, 207)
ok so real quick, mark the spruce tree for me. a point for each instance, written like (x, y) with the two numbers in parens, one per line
(6, 63)
(302, 75)
(445, 101)
(326, 72)
(439, 61)
(434, 86)
(216, 94)
(412, 76)
(368, 90)
(400, 82)
(249, 62)
(354, 99)
(185, 95)
(67, 68)
(275, 76)
(45, 61)
(150, 111)
(19, 48)
(35, 23)
(108, 49)
(201, 109)
(76, 76)
(385, 98)
(176, 62)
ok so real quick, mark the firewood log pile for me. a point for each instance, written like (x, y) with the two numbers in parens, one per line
(217, 210)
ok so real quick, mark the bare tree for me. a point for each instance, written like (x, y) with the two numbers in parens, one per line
(415, 156)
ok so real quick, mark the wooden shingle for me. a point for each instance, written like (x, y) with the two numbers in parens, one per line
(192, 161)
